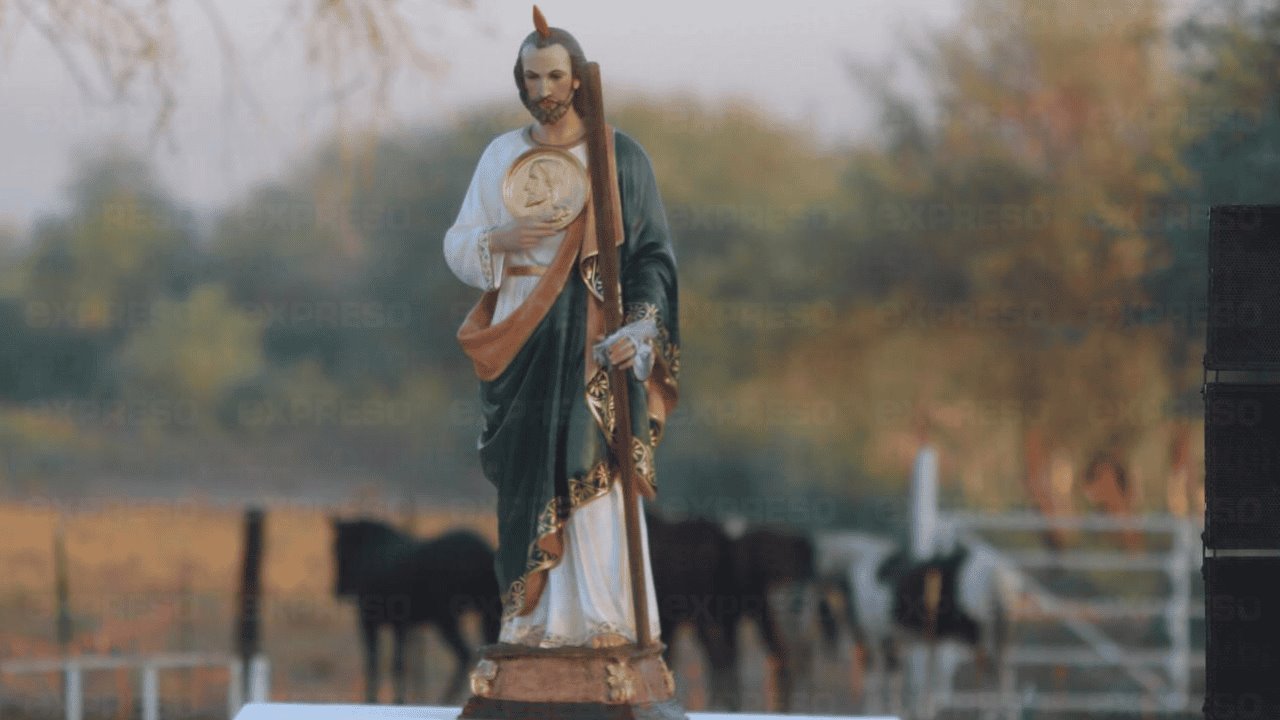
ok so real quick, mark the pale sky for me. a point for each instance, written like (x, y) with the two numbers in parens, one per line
(790, 56)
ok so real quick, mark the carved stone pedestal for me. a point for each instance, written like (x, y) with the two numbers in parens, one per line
(514, 682)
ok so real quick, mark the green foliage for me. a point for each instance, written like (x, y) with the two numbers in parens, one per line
(999, 222)
(192, 353)
(981, 259)
(40, 360)
(1230, 153)
(739, 191)
(89, 277)
(347, 268)
(123, 244)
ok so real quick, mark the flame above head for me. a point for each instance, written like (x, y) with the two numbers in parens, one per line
(540, 23)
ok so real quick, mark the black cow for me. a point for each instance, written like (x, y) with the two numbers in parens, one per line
(704, 578)
(769, 559)
(695, 584)
(402, 581)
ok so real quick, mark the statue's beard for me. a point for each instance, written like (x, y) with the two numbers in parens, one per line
(549, 115)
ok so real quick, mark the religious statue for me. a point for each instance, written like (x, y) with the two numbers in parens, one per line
(546, 206)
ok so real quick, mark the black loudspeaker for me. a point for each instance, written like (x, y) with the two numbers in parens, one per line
(1244, 288)
(1242, 655)
(1242, 467)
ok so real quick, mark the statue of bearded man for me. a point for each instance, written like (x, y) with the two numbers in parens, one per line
(536, 341)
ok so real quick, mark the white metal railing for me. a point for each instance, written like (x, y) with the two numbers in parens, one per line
(1081, 617)
(1034, 521)
(1086, 560)
(1070, 702)
(1087, 657)
(72, 669)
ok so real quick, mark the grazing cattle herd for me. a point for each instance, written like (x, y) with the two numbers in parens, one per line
(805, 594)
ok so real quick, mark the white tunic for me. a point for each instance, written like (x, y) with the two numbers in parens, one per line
(589, 592)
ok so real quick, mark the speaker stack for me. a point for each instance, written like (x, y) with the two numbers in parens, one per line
(1242, 464)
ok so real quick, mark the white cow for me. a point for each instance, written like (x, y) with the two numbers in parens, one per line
(975, 594)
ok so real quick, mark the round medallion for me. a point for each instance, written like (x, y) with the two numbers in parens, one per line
(547, 185)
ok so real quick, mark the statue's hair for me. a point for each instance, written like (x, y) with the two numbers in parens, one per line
(577, 61)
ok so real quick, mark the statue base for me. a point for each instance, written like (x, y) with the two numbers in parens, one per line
(515, 682)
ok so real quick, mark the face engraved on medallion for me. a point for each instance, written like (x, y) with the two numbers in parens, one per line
(547, 185)
(540, 187)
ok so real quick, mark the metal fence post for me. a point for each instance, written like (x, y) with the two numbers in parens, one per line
(1179, 615)
(235, 687)
(259, 679)
(150, 693)
(73, 687)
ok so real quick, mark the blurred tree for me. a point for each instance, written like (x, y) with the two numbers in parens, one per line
(131, 51)
(123, 243)
(282, 263)
(92, 275)
(1010, 205)
(980, 257)
(193, 352)
(744, 196)
(39, 361)
(1230, 154)
(401, 215)
(357, 283)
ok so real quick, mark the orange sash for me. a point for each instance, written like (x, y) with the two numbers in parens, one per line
(492, 347)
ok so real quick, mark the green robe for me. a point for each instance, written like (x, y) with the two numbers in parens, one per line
(538, 418)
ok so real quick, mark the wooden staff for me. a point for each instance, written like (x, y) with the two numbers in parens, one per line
(603, 192)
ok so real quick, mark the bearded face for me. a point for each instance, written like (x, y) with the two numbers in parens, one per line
(548, 111)
(548, 81)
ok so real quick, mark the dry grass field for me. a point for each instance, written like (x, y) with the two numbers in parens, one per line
(162, 577)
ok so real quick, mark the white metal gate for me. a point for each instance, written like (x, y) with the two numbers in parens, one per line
(1163, 676)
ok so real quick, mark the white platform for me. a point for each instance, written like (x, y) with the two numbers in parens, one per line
(301, 711)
